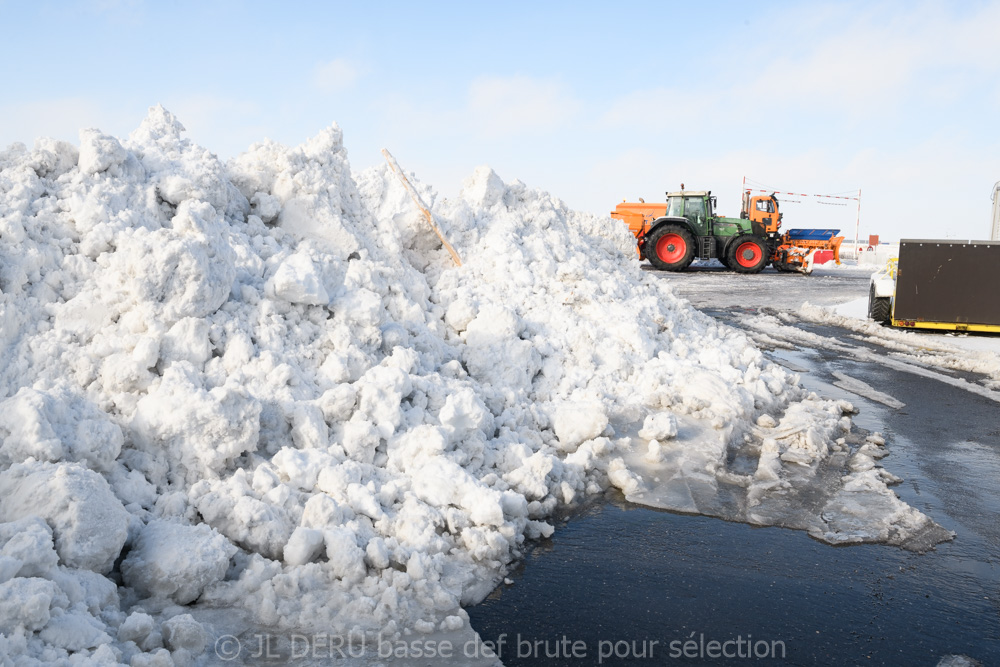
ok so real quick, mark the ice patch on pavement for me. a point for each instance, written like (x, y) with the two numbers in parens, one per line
(807, 471)
(865, 390)
(263, 387)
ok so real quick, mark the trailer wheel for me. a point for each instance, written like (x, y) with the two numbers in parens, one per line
(748, 254)
(879, 307)
(670, 248)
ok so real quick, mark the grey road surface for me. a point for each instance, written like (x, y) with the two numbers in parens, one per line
(627, 585)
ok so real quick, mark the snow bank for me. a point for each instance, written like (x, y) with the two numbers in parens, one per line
(263, 385)
(961, 352)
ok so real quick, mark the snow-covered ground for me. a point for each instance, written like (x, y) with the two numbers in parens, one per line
(857, 309)
(263, 387)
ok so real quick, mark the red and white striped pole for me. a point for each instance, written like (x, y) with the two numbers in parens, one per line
(857, 225)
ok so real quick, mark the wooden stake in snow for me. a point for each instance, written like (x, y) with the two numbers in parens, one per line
(420, 204)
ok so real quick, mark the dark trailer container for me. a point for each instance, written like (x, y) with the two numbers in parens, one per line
(950, 285)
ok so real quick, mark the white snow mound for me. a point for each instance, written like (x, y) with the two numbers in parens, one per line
(267, 385)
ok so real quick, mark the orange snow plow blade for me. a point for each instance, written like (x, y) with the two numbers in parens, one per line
(799, 247)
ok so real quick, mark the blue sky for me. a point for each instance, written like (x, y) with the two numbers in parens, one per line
(593, 101)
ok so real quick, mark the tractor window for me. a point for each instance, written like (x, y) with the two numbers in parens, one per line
(765, 205)
(694, 210)
(674, 207)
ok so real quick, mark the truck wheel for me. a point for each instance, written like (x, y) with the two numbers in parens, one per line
(748, 254)
(670, 248)
(879, 307)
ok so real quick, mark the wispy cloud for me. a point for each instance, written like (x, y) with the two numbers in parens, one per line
(855, 62)
(518, 104)
(336, 75)
(655, 109)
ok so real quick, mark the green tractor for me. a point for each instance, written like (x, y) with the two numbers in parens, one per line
(686, 228)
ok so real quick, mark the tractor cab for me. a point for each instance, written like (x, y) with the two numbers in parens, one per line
(697, 207)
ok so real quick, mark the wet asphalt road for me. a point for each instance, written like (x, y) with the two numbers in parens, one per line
(622, 584)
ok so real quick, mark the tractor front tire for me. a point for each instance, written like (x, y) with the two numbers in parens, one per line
(748, 254)
(670, 248)
(879, 307)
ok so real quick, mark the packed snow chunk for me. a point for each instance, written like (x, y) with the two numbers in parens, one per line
(53, 158)
(304, 546)
(298, 281)
(159, 129)
(99, 152)
(176, 561)
(301, 467)
(74, 631)
(57, 426)
(88, 591)
(460, 313)
(28, 544)
(25, 604)
(660, 426)
(493, 324)
(484, 188)
(576, 423)
(322, 511)
(359, 438)
(380, 392)
(377, 554)
(89, 523)
(623, 478)
(156, 657)
(183, 632)
(485, 506)
(361, 307)
(136, 627)
(184, 271)
(463, 411)
(766, 421)
(252, 523)
(654, 452)
(266, 207)
(347, 560)
(186, 340)
(199, 431)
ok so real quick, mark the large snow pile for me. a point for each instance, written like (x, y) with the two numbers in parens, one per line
(262, 385)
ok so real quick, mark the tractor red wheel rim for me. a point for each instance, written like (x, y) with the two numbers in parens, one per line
(671, 248)
(748, 254)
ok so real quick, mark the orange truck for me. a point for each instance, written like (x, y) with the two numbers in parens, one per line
(671, 235)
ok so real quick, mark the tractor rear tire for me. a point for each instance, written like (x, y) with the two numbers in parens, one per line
(670, 248)
(879, 307)
(748, 254)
